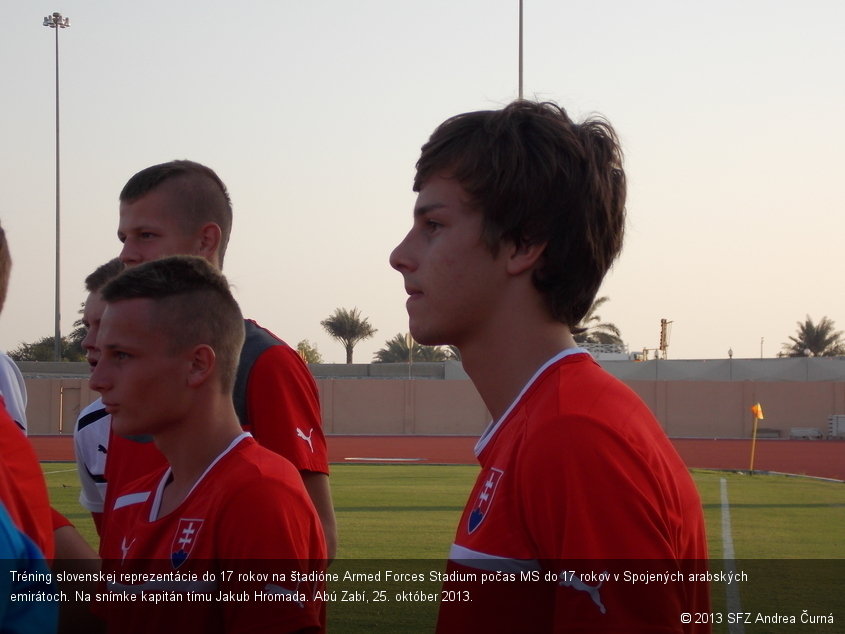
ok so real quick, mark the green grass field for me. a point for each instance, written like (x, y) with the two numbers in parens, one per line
(388, 514)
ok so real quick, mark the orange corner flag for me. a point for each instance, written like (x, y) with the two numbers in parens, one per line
(757, 410)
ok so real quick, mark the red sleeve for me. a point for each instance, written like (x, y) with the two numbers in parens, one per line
(284, 409)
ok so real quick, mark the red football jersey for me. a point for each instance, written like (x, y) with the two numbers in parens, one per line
(284, 409)
(283, 405)
(248, 516)
(578, 484)
(22, 487)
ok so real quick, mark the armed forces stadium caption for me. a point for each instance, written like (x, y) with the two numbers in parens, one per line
(132, 586)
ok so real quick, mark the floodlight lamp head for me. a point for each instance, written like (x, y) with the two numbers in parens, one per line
(56, 21)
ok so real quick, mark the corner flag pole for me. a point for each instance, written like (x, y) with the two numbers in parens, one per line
(757, 412)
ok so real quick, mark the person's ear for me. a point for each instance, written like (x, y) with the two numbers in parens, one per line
(210, 237)
(524, 257)
(202, 363)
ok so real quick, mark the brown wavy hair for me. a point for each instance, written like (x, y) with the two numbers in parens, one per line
(539, 178)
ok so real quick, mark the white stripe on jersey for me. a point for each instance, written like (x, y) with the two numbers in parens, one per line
(131, 498)
(492, 563)
(494, 426)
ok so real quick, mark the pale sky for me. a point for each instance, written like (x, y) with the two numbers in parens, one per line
(731, 115)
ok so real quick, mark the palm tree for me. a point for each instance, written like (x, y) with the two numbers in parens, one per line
(594, 329)
(348, 327)
(396, 351)
(819, 340)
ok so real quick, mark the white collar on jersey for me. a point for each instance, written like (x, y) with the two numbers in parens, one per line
(156, 505)
(494, 426)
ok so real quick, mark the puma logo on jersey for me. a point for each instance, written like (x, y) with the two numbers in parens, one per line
(124, 548)
(307, 438)
(572, 580)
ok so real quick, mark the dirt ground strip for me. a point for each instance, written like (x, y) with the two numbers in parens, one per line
(819, 458)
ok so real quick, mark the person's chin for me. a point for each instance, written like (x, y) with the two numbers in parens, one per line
(123, 425)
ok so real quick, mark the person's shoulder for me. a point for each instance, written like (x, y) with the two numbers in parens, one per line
(578, 389)
(253, 462)
(584, 383)
(265, 350)
(270, 353)
(254, 476)
(256, 334)
(13, 389)
(7, 366)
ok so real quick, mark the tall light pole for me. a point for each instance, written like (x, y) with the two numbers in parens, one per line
(56, 21)
(520, 50)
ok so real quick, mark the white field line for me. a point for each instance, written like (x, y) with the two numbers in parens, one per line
(60, 471)
(734, 604)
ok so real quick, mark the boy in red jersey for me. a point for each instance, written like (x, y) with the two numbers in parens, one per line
(520, 213)
(169, 342)
(183, 208)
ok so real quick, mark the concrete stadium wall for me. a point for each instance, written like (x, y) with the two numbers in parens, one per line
(401, 407)
(686, 409)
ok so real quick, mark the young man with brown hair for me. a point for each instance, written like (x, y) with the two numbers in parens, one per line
(183, 207)
(520, 213)
(167, 370)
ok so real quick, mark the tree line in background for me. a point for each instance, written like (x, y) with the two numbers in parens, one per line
(44, 349)
(350, 327)
(817, 340)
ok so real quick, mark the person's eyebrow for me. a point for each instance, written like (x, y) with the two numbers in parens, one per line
(425, 209)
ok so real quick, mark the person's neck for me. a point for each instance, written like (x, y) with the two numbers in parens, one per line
(191, 446)
(501, 362)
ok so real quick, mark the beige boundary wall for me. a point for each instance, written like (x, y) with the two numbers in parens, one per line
(692, 399)
(434, 407)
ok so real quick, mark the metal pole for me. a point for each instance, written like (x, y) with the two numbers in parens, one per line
(56, 21)
(520, 49)
(57, 350)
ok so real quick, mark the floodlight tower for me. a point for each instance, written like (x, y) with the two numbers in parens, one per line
(520, 50)
(57, 22)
